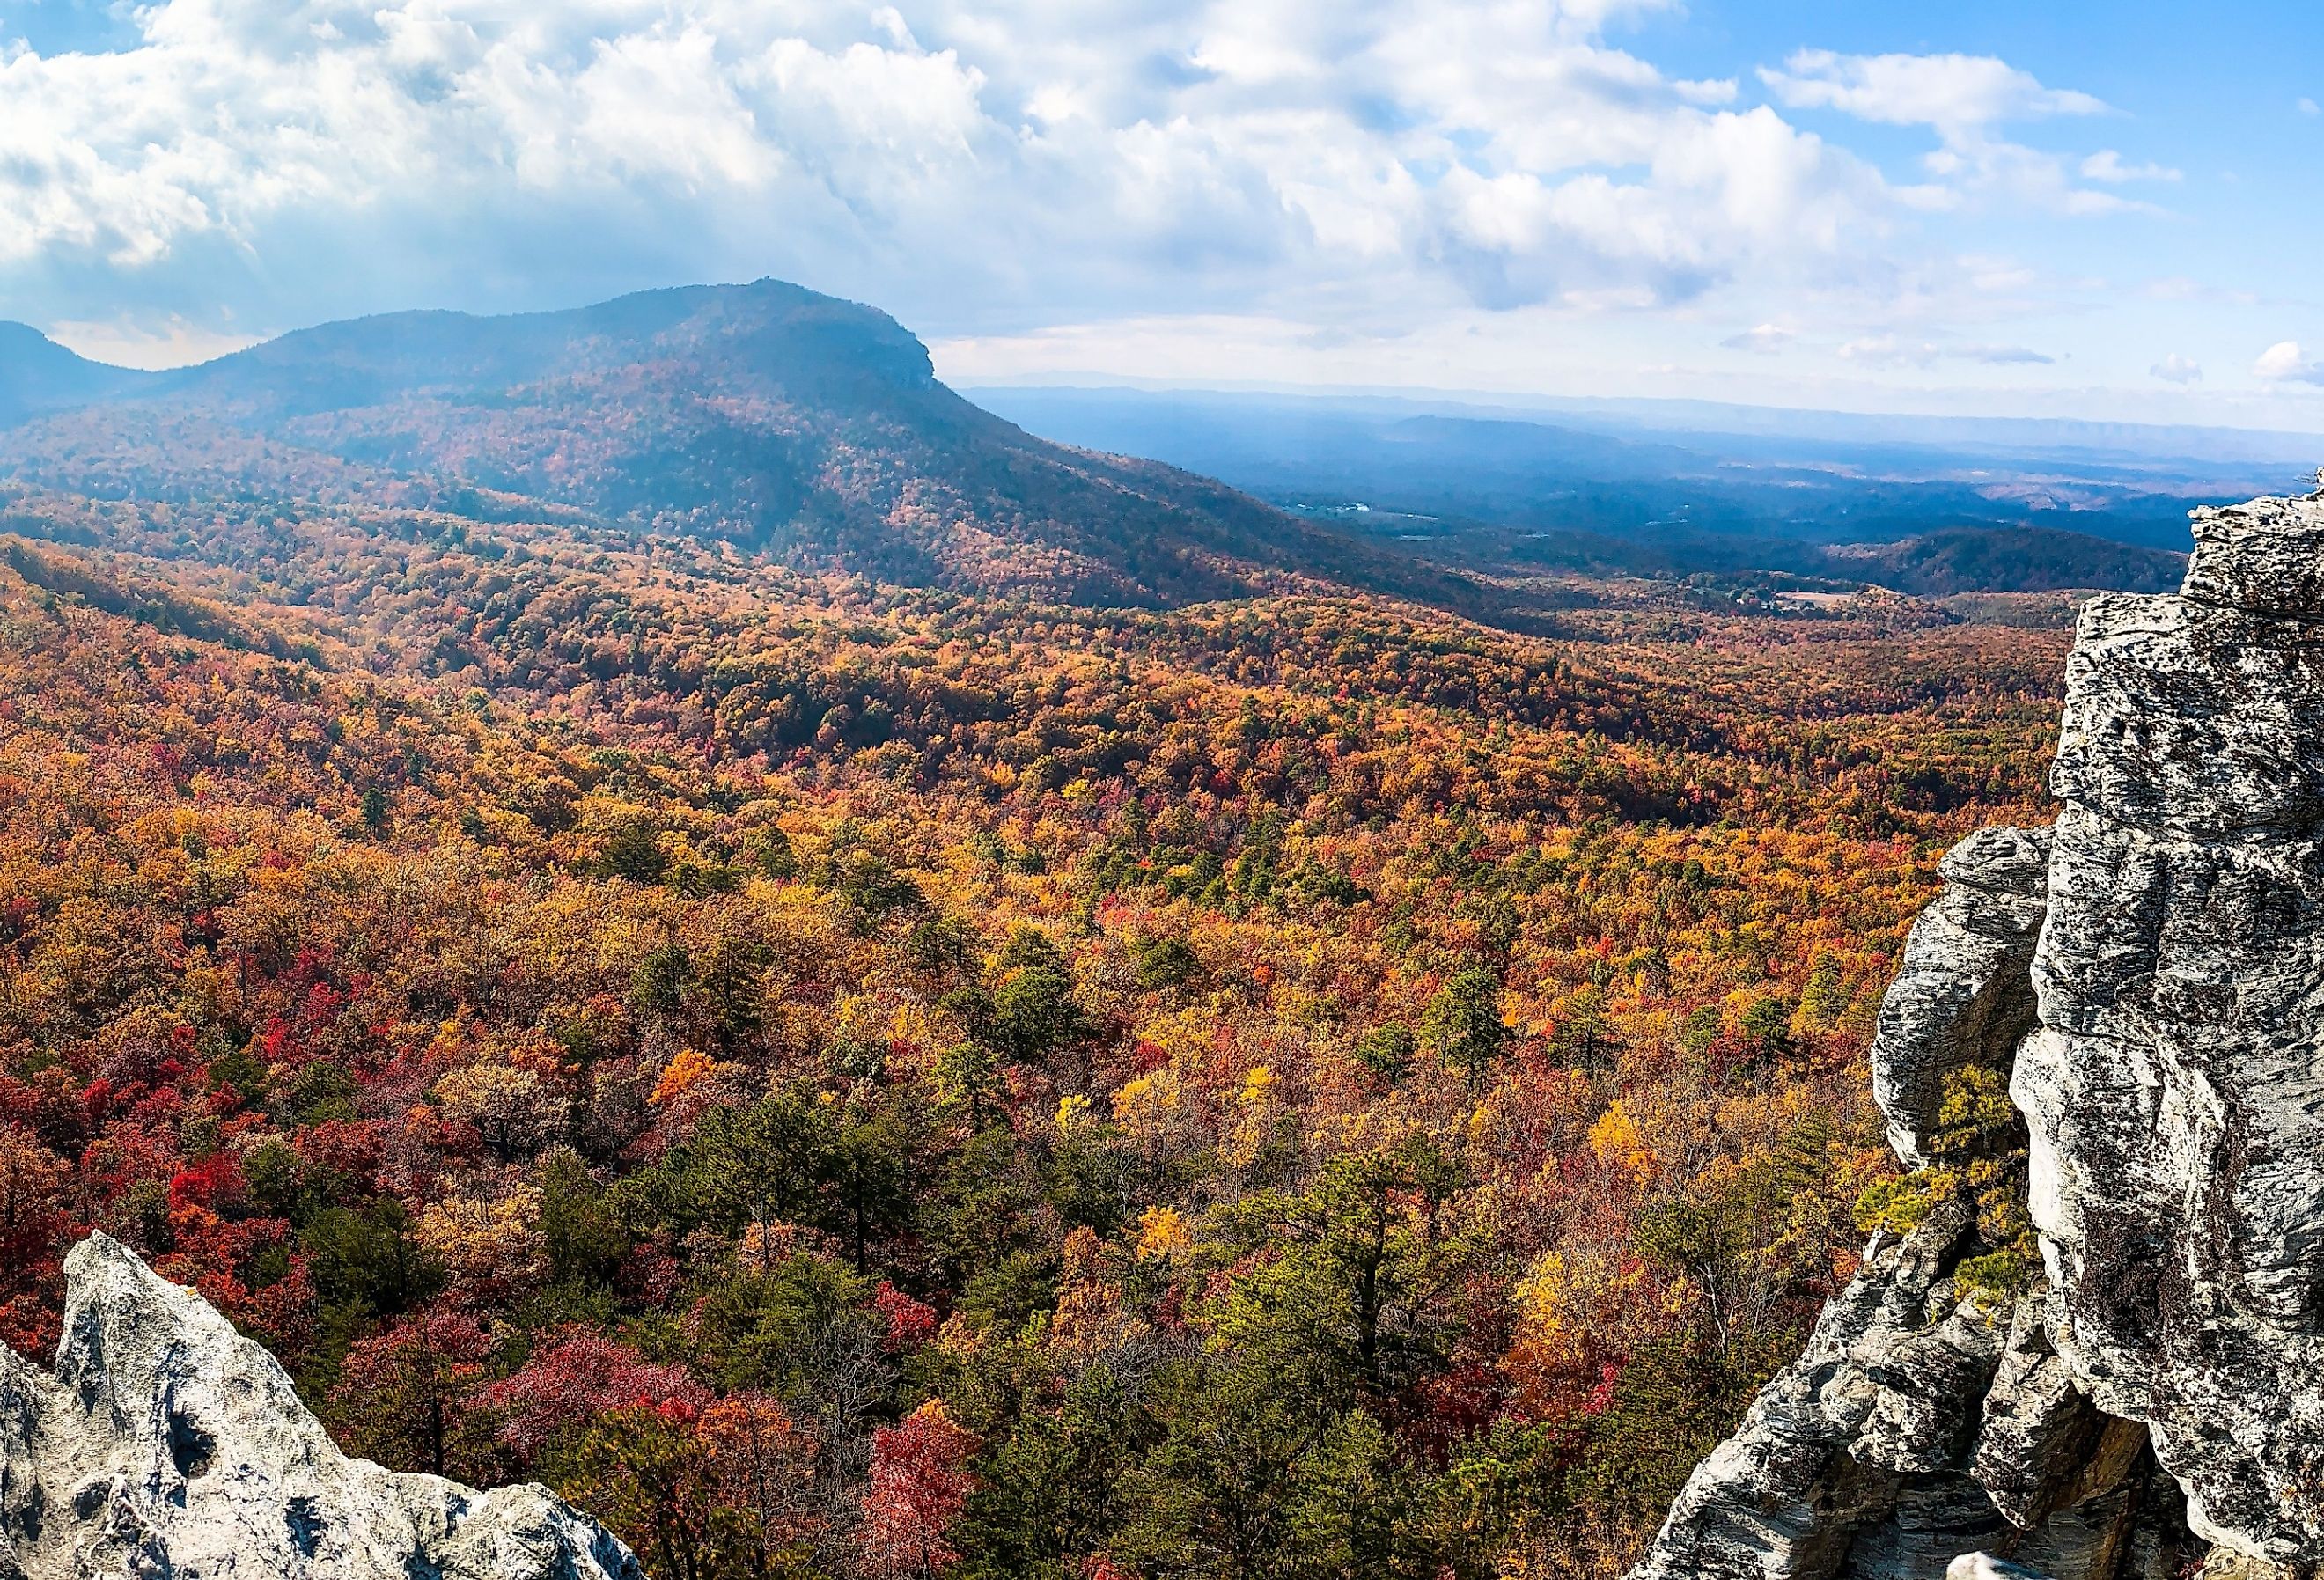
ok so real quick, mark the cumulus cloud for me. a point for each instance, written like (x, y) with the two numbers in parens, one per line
(973, 152)
(1959, 95)
(2175, 369)
(2285, 363)
(981, 165)
(1963, 99)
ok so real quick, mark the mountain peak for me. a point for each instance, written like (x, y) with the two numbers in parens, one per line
(800, 424)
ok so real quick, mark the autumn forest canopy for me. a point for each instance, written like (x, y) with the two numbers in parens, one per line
(657, 904)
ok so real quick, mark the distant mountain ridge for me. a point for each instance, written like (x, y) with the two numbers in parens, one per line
(767, 414)
(1743, 483)
(37, 374)
(765, 336)
(815, 429)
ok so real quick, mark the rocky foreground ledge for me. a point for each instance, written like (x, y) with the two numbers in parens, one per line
(167, 1445)
(2148, 977)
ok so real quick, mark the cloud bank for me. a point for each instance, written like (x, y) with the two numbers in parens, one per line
(1481, 194)
(988, 166)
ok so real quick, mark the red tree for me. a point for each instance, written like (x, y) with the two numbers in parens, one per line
(919, 1484)
(583, 1376)
(405, 1397)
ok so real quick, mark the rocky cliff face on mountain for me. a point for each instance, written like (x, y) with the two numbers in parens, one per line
(2149, 978)
(166, 1444)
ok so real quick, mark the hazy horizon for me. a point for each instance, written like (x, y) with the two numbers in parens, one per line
(1813, 206)
(1548, 404)
(1963, 407)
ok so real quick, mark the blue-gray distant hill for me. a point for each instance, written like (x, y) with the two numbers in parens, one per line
(1657, 489)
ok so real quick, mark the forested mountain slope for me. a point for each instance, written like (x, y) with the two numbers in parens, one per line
(832, 1078)
(654, 902)
(764, 415)
(2025, 558)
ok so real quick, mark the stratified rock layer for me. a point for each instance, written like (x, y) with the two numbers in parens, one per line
(2151, 974)
(167, 1445)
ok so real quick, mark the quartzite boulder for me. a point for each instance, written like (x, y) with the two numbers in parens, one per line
(168, 1445)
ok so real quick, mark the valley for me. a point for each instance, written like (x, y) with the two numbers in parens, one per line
(655, 903)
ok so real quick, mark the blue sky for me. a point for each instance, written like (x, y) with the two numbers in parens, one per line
(2102, 210)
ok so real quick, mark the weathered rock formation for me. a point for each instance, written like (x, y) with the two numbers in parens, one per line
(1964, 994)
(2150, 975)
(166, 1446)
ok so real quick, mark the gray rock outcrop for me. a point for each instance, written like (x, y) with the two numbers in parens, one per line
(166, 1444)
(2174, 1090)
(1920, 1428)
(2150, 977)
(1963, 995)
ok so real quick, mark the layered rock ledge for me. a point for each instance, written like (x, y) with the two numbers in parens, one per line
(2149, 976)
(166, 1444)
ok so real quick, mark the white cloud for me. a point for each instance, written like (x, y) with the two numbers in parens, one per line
(1487, 147)
(2285, 363)
(2107, 165)
(1959, 95)
(2175, 369)
(2308, 107)
(1764, 338)
(1717, 91)
(972, 160)
(1964, 99)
